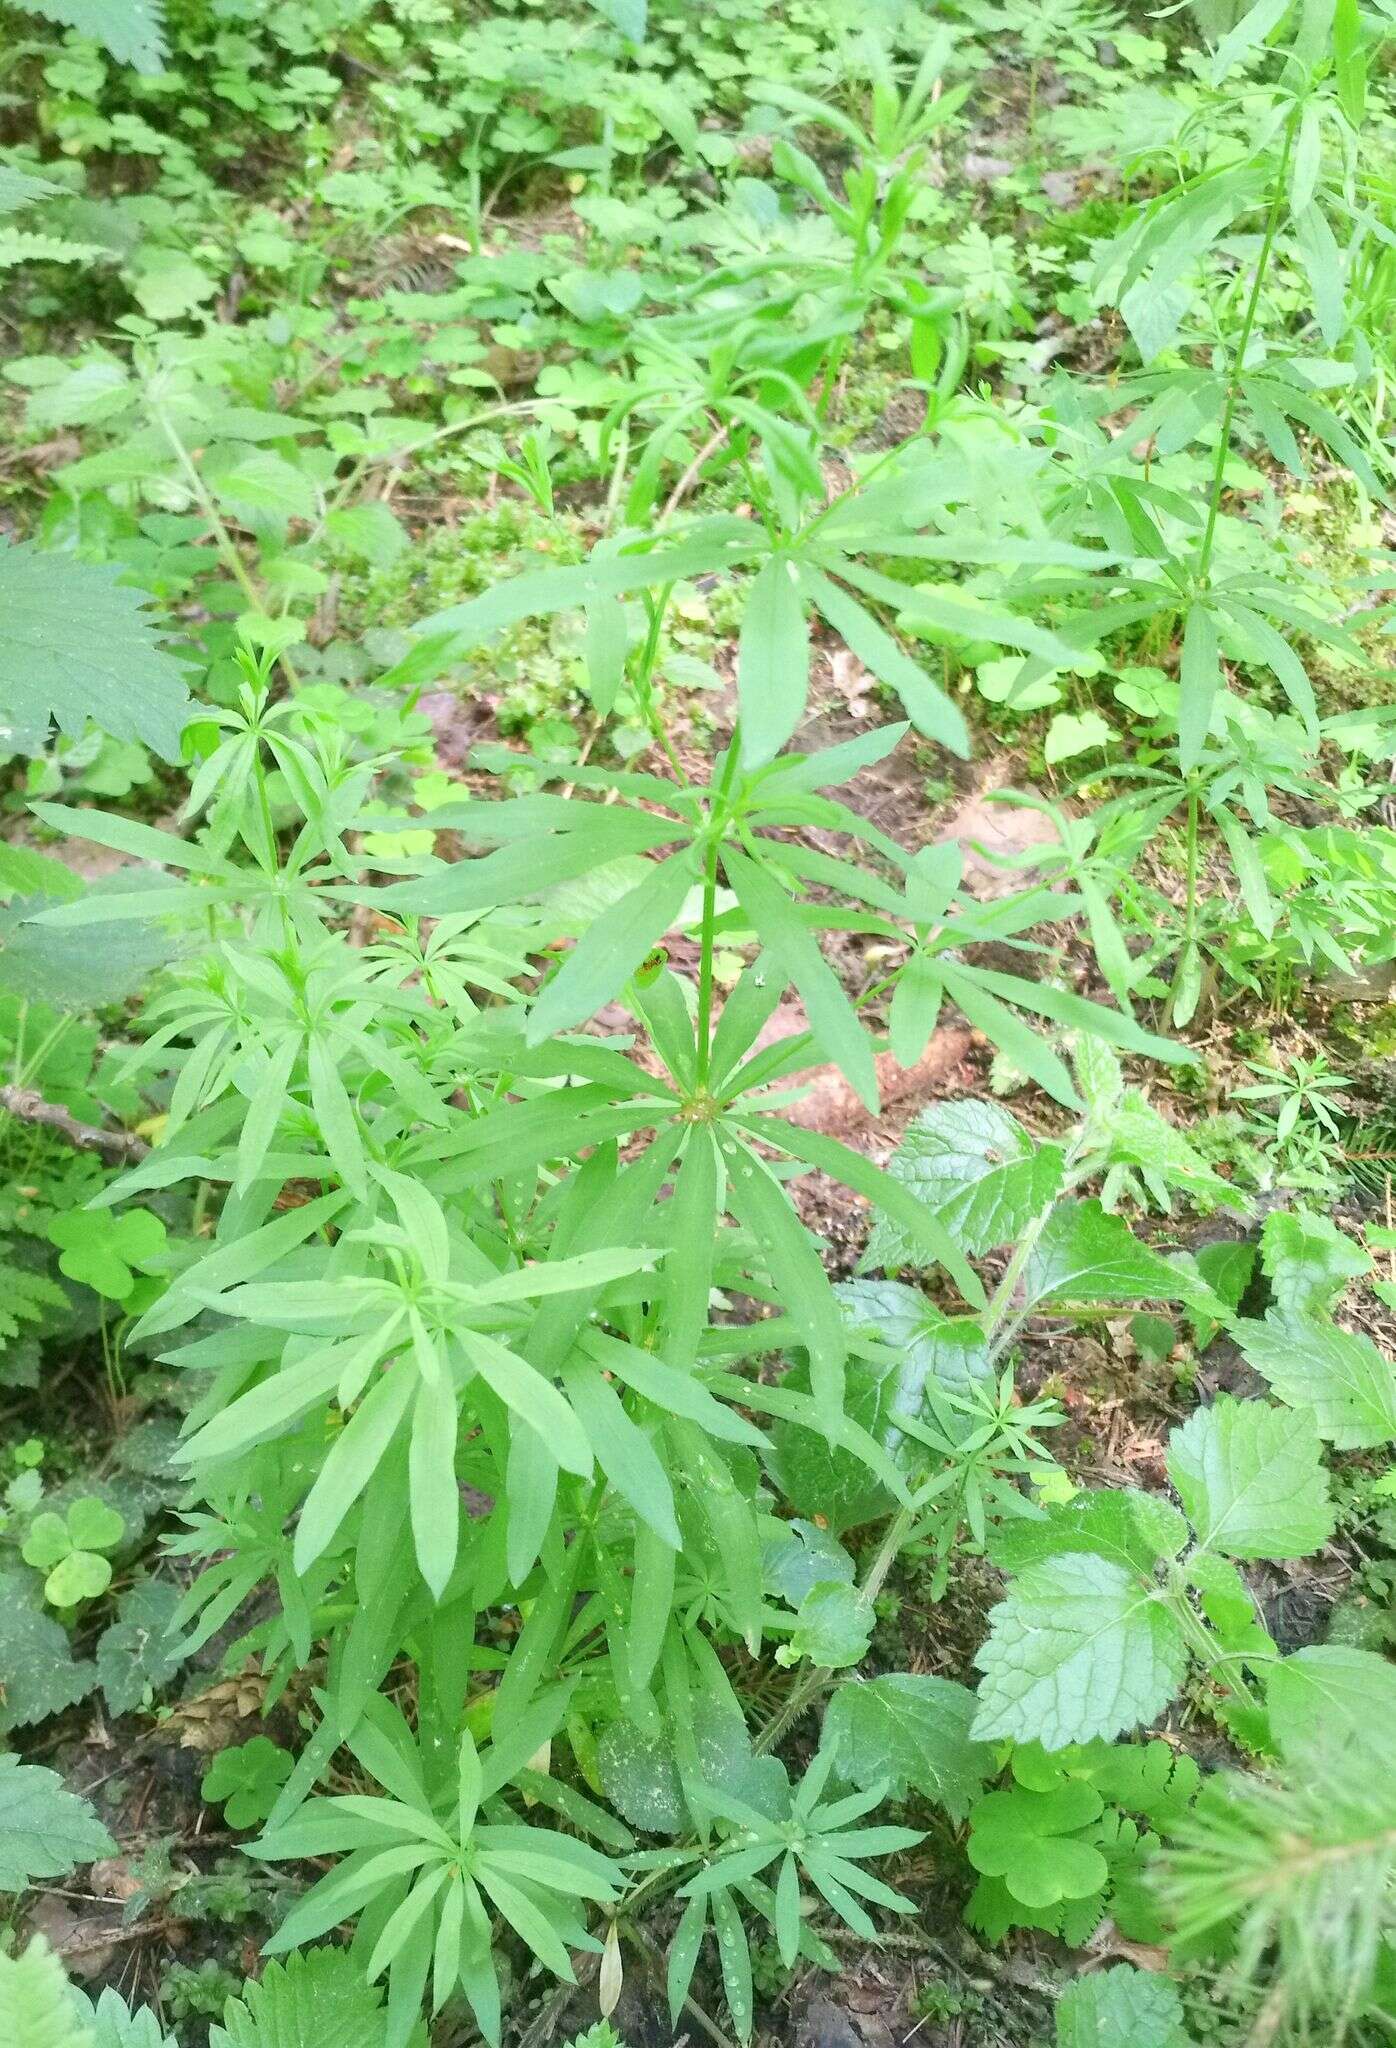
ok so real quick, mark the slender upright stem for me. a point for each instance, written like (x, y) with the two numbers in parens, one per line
(1243, 342)
(998, 1325)
(705, 966)
(708, 934)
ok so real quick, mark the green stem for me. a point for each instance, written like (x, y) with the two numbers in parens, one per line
(998, 1326)
(1190, 908)
(223, 540)
(1206, 1647)
(1238, 360)
(644, 684)
(705, 966)
(708, 936)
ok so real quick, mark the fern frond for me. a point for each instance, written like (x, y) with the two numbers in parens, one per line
(21, 188)
(1301, 1871)
(25, 1296)
(18, 247)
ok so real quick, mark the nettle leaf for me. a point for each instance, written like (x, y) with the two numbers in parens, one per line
(800, 1556)
(1130, 1528)
(980, 1172)
(136, 1656)
(37, 1669)
(1338, 1375)
(45, 1830)
(911, 1734)
(317, 1997)
(1085, 1254)
(640, 1777)
(1329, 1696)
(918, 1345)
(1308, 1261)
(1120, 2008)
(76, 644)
(1251, 1479)
(114, 2025)
(132, 31)
(1080, 1647)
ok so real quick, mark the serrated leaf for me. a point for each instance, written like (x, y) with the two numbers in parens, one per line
(910, 1733)
(1251, 1479)
(1308, 1261)
(38, 1675)
(370, 530)
(114, 2025)
(1330, 1696)
(76, 644)
(641, 1778)
(977, 1169)
(36, 2006)
(1079, 1647)
(1120, 2008)
(1086, 1254)
(1130, 1528)
(135, 1656)
(315, 1998)
(115, 958)
(1339, 1375)
(833, 1627)
(823, 1479)
(132, 31)
(257, 483)
(45, 1830)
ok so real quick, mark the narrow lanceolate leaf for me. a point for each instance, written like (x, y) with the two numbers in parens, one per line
(929, 1235)
(623, 1450)
(1080, 1647)
(927, 705)
(796, 1272)
(690, 1217)
(611, 949)
(1251, 1479)
(735, 1957)
(433, 1494)
(357, 1453)
(772, 661)
(1200, 674)
(77, 644)
(795, 951)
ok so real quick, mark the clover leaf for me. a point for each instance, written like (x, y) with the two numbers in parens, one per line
(246, 1780)
(104, 1251)
(1029, 1840)
(68, 1549)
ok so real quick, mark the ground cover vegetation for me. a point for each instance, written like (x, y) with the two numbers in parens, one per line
(697, 916)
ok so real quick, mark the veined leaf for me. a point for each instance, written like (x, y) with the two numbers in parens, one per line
(1080, 1647)
(1251, 1479)
(77, 644)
